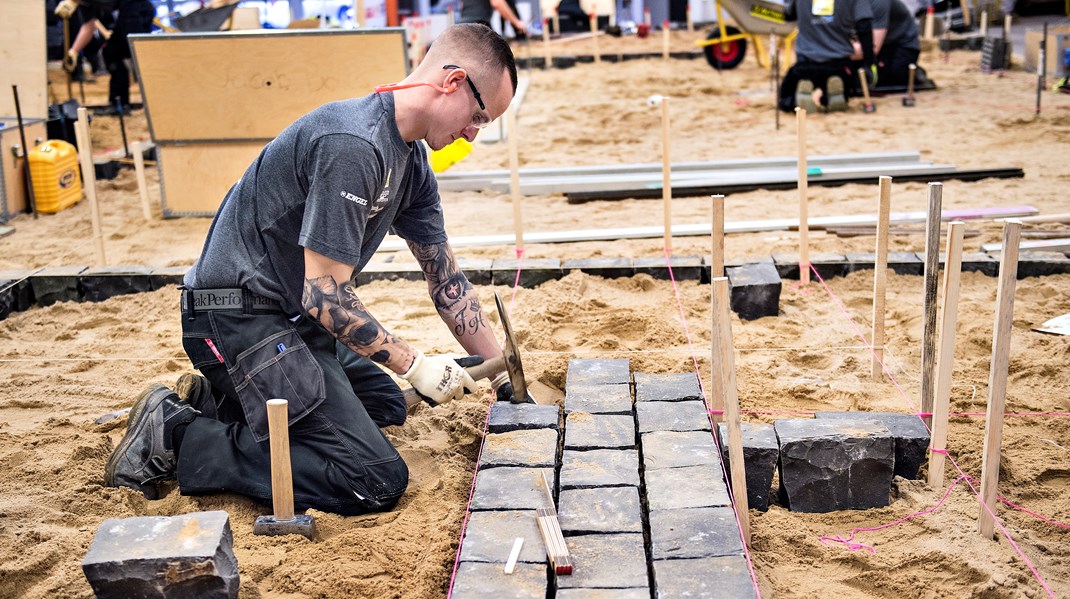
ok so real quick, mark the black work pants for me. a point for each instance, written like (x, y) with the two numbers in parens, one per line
(816, 72)
(341, 461)
(135, 16)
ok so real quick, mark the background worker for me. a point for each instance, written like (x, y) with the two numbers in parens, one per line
(823, 51)
(895, 43)
(273, 295)
(131, 16)
(481, 11)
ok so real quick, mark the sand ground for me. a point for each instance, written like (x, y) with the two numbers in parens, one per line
(66, 364)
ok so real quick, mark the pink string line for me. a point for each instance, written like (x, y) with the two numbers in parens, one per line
(919, 414)
(479, 455)
(713, 425)
(951, 459)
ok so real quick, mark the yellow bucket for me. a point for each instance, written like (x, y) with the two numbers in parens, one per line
(450, 155)
(57, 182)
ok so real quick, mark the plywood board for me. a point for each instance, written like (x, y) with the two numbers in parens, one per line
(22, 54)
(12, 175)
(245, 17)
(250, 85)
(197, 176)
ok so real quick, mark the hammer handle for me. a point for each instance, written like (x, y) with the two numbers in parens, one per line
(282, 491)
(478, 372)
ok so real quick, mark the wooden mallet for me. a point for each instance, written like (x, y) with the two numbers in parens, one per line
(283, 521)
(909, 100)
(867, 103)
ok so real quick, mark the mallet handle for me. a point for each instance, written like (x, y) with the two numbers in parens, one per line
(282, 491)
(477, 372)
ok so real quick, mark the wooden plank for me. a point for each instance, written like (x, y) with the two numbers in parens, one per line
(880, 275)
(89, 180)
(801, 179)
(22, 52)
(717, 237)
(1040, 245)
(997, 377)
(251, 85)
(931, 282)
(244, 18)
(945, 358)
(725, 368)
(198, 176)
(666, 174)
(1062, 217)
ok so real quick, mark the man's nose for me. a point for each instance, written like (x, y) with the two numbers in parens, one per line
(469, 133)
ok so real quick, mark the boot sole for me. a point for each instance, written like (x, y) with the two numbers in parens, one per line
(837, 99)
(148, 401)
(803, 97)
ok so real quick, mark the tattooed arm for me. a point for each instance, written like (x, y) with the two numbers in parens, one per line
(330, 297)
(455, 299)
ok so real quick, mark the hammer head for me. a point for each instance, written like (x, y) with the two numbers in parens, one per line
(300, 524)
(512, 355)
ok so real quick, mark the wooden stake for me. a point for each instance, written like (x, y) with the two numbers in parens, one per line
(948, 318)
(997, 375)
(594, 34)
(931, 281)
(717, 238)
(880, 275)
(929, 27)
(514, 176)
(725, 369)
(984, 23)
(690, 23)
(546, 43)
(142, 187)
(666, 171)
(557, 22)
(804, 226)
(646, 17)
(665, 39)
(965, 6)
(89, 179)
(1007, 27)
(282, 491)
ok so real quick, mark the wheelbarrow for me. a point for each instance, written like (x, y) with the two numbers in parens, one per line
(726, 45)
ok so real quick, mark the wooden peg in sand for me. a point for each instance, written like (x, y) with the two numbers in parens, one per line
(666, 172)
(724, 368)
(594, 34)
(948, 318)
(997, 376)
(880, 275)
(665, 39)
(931, 282)
(89, 179)
(804, 223)
(717, 237)
(546, 44)
(142, 187)
(514, 176)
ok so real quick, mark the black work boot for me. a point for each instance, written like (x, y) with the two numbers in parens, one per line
(195, 390)
(146, 454)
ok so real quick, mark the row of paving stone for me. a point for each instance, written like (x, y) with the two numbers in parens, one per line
(756, 283)
(567, 61)
(641, 494)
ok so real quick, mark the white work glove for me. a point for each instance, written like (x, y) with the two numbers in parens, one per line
(66, 9)
(70, 61)
(438, 379)
(503, 390)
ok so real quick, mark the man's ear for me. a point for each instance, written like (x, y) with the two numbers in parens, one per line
(453, 80)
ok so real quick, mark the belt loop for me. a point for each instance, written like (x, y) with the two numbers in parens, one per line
(187, 295)
(246, 301)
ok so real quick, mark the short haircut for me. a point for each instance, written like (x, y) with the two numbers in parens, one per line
(474, 46)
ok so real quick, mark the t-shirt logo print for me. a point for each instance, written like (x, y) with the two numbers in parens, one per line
(384, 197)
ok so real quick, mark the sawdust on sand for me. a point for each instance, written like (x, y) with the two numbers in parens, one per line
(65, 364)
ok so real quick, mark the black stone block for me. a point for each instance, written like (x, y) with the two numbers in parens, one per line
(167, 276)
(828, 465)
(911, 437)
(389, 271)
(672, 416)
(477, 580)
(564, 62)
(755, 290)
(599, 468)
(690, 486)
(827, 265)
(607, 268)
(719, 577)
(676, 450)
(599, 431)
(106, 169)
(533, 448)
(611, 561)
(585, 58)
(163, 556)
(59, 284)
(1042, 264)
(505, 416)
(511, 488)
(16, 292)
(489, 537)
(601, 510)
(684, 268)
(760, 454)
(598, 399)
(978, 262)
(901, 263)
(477, 270)
(682, 386)
(100, 283)
(611, 371)
(534, 271)
(694, 532)
(642, 593)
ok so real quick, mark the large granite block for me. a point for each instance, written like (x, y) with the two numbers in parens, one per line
(167, 276)
(901, 263)
(1041, 264)
(59, 284)
(827, 265)
(476, 270)
(482, 580)
(506, 416)
(532, 448)
(678, 416)
(601, 371)
(911, 437)
(694, 532)
(690, 486)
(676, 450)
(616, 561)
(489, 537)
(755, 290)
(598, 399)
(601, 510)
(684, 268)
(608, 268)
(163, 556)
(681, 386)
(830, 464)
(100, 283)
(760, 454)
(390, 271)
(723, 577)
(599, 431)
(978, 262)
(511, 489)
(17, 290)
(643, 593)
(535, 271)
(599, 468)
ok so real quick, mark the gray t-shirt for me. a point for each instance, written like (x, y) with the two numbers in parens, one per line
(336, 181)
(902, 27)
(825, 32)
(476, 11)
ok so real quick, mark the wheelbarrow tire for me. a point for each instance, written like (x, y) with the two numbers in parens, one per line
(727, 55)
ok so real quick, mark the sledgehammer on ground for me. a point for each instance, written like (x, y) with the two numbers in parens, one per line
(508, 361)
(283, 522)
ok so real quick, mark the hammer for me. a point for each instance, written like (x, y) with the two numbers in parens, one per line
(509, 361)
(283, 522)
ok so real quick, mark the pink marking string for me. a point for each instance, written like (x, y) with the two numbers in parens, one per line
(951, 459)
(713, 425)
(919, 414)
(516, 279)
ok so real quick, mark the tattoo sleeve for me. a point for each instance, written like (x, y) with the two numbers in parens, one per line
(341, 312)
(454, 297)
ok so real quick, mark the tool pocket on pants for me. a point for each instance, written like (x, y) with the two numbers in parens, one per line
(278, 367)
